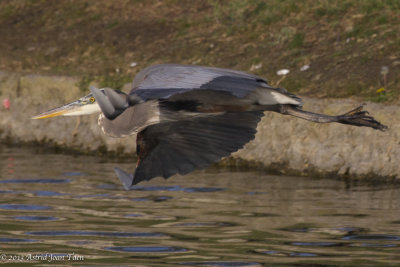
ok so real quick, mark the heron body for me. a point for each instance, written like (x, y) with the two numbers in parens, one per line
(188, 117)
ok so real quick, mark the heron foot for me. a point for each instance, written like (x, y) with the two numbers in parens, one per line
(359, 117)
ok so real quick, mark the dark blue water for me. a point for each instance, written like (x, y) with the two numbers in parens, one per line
(64, 210)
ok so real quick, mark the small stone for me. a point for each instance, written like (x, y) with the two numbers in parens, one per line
(255, 67)
(305, 67)
(317, 77)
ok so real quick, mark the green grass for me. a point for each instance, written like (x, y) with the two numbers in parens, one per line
(297, 41)
(84, 83)
(115, 81)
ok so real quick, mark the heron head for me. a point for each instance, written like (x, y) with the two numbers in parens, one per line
(83, 106)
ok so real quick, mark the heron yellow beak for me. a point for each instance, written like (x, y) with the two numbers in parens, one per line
(60, 111)
(84, 106)
(49, 114)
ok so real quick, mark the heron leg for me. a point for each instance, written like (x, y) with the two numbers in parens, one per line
(356, 117)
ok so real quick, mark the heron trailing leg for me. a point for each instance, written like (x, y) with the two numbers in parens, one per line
(356, 117)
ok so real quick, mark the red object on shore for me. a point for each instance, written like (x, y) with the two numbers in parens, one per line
(6, 103)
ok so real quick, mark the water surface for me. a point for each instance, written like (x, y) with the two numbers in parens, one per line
(65, 210)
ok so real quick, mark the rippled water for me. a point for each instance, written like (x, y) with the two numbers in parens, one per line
(64, 210)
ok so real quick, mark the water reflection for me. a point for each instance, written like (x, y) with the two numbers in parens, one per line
(35, 218)
(210, 218)
(371, 237)
(177, 188)
(23, 207)
(94, 233)
(13, 240)
(40, 181)
(147, 249)
(221, 263)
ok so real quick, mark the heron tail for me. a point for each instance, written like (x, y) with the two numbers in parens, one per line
(125, 178)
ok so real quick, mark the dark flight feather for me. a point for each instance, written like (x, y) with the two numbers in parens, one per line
(180, 147)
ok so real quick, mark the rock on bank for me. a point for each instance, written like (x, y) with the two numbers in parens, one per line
(281, 140)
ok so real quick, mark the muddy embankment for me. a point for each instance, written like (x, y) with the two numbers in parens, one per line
(292, 144)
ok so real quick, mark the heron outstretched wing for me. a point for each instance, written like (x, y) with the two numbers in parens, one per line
(170, 148)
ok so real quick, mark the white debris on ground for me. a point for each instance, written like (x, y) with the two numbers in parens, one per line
(282, 72)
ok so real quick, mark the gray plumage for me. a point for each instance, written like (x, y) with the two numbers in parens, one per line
(188, 117)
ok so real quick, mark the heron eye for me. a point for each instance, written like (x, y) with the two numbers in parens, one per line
(92, 99)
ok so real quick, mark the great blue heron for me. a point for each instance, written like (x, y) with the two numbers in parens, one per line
(188, 117)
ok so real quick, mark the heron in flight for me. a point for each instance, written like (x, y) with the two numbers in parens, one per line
(188, 117)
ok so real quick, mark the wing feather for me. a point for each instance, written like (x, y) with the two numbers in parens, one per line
(180, 147)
